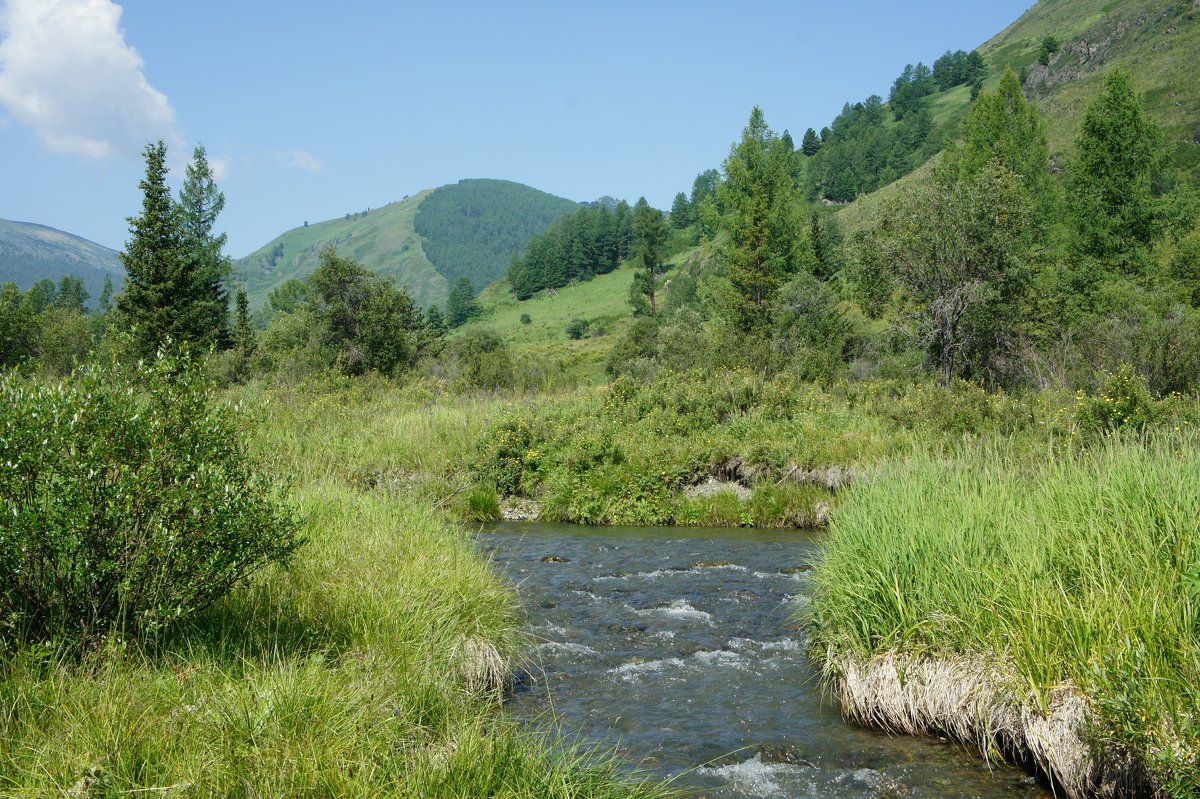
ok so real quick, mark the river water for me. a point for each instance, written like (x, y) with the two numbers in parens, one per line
(677, 649)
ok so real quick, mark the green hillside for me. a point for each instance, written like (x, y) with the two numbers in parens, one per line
(1157, 41)
(382, 239)
(602, 301)
(29, 253)
(470, 229)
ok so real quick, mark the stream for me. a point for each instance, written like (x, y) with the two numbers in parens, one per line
(676, 649)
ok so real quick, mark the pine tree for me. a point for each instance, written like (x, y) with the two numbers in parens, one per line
(1004, 126)
(649, 236)
(158, 300)
(200, 204)
(1118, 152)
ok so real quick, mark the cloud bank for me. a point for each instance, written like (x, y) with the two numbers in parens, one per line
(67, 73)
(299, 159)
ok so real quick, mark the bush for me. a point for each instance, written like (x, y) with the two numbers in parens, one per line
(525, 319)
(1125, 402)
(126, 506)
(577, 328)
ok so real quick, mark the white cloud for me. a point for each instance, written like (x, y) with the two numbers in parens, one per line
(221, 167)
(67, 73)
(299, 159)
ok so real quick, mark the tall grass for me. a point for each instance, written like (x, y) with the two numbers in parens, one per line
(372, 667)
(1070, 566)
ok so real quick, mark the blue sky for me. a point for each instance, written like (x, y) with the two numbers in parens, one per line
(313, 110)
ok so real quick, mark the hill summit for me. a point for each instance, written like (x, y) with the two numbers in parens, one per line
(427, 241)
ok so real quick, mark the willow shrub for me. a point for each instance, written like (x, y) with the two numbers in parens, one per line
(128, 501)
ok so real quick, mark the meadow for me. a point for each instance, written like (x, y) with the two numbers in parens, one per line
(372, 666)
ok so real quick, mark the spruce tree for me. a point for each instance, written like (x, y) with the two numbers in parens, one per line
(158, 299)
(201, 202)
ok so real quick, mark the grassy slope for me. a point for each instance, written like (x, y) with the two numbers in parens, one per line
(29, 253)
(383, 240)
(603, 301)
(1163, 65)
(366, 670)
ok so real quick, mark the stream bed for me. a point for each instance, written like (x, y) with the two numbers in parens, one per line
(677, 649)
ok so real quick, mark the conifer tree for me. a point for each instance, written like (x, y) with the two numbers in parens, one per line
(244, 341)
(106, 295)
(435, 321)
(72, 295)
(158, 298)
(201, 202)
(460, 305)
(1117, 154)
(1004, 126)
(761, 218)
(681, 212)
(810, 143)
(649, 236)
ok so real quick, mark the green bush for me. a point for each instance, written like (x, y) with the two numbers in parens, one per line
(129, 501)
(1124, 402)
(525, 319)
(577, 328)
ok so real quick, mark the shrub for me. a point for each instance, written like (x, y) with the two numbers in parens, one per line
(577, 328)
(126, 506)
(1124, 402)
(525, 319)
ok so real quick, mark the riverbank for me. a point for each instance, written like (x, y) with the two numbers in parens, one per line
(372, 667)
(1046, 609)
(734, 449)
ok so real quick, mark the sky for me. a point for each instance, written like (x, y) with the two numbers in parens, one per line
(311, 110)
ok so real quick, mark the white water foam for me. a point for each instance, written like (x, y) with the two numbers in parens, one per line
(565, 646)
(705, 658)
(796, 600)
(679, 609)
(782, 645)
(752, 776)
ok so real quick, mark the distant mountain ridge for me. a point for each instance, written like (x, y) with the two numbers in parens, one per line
(425, 242)
(31, 252)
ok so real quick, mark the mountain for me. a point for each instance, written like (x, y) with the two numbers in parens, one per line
(1156, 41)
(426, 241)
(29, 253)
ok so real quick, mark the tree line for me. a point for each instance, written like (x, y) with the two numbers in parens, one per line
(992, 269)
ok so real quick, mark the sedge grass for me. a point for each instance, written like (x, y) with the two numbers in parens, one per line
(1076, 568)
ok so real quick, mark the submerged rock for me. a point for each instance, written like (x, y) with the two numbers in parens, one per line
(554, 559)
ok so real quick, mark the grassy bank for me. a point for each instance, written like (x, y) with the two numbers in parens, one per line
(734, 449)
(1027, 601)
(369, 668)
